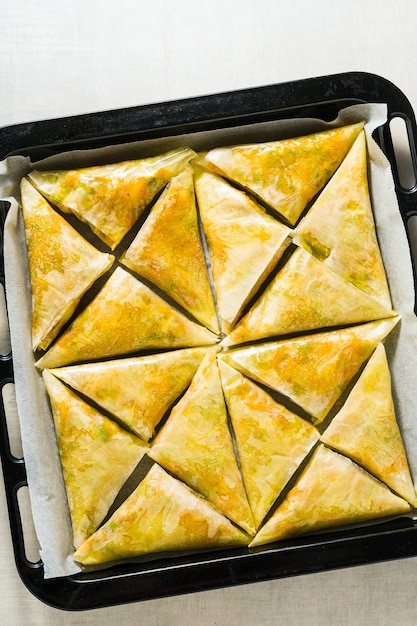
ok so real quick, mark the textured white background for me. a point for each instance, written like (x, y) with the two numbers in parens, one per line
(73, 57)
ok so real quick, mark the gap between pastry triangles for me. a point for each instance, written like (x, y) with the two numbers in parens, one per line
(339, 228)
(312, 370)
(97, 457)
(195, 444)
(124, 317)
(137, 390)
(288, 173)
(161, 515)
(305, 295)
(62, 266)
(366, 429)
(110, 198)
(168, 251)
(244, 243)
(331, 491)
(271, 440)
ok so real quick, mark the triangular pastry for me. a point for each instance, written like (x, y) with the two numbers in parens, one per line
(168, 251)
(97, 457)
(161, 515)
(124, 317)
(286, 174)
(339, 228)
(138, 390)
(195, 445)
(110, 198)
(366, 429)
(62, 266)
(244, 243)
(305, 295)
(332, 491)
(271, 440)
(244, 317)
(312, 370)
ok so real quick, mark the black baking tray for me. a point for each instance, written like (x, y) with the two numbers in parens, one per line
(321, 98)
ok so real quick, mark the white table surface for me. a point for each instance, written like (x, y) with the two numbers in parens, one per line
(59, 59)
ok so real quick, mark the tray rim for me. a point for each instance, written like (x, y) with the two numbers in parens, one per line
(331, 550)
(355, 85)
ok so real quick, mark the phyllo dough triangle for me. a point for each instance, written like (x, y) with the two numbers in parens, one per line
(332, 491)
(124, 317)
(339, 228)
(305, 295)
(161, 515)
(62, 266)
(271, 440)
(244, 243)
(168, 251)
(286, 174)
(138, 390)
(97, 457)
(195, 445)
(312, 370)
(366, 429)
(110, 198)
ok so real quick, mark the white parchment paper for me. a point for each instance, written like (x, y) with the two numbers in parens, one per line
(45, 481)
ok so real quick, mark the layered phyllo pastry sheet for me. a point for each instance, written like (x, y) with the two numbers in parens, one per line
(210, 330)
